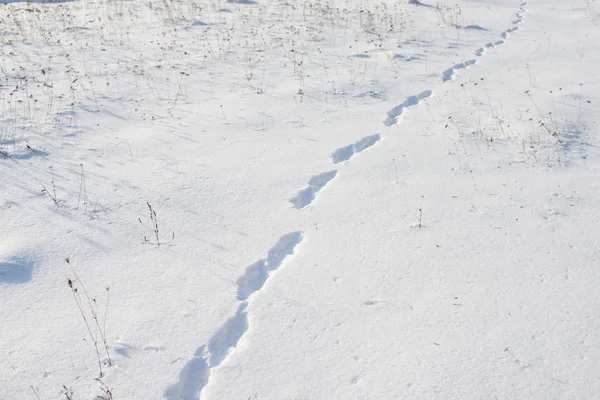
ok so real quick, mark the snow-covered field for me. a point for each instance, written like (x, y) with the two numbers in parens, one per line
(308, 199)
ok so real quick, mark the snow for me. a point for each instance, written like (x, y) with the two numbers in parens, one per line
(352, 199)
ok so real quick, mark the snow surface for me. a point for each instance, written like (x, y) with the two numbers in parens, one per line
(299, 200)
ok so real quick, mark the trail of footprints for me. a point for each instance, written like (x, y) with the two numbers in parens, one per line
(450, 73)
(316, 183)
(196, 373)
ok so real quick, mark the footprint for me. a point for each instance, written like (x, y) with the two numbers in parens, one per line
(451, 72)
(154, 349)
(355, 380)
(124, 350)
(195, 374)
(372, 302)
(345, 153)
(257, 274)
(507, 33)
(397, 111)
(315, 184)
(192, 378)
(227, 337)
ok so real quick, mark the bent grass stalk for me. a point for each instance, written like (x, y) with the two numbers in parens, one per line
(101, 328)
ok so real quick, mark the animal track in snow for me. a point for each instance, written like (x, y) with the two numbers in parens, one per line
(345, 153)
(481, 51)
(247, 2)
(451, 72)
(195, 375)
(397, 111)
(507, 32)
(315, 184)
(227, 337)
(192, 378)
(257, 274)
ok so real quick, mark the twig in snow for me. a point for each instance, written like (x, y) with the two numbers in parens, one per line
(35, 392)
(101, 328)
(510, 352)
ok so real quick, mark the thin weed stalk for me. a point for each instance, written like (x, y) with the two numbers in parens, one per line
(101, 328)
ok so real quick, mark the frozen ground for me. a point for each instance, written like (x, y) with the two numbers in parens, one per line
(353, 200)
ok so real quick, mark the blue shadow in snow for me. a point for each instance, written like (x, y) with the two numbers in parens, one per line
(16, 271)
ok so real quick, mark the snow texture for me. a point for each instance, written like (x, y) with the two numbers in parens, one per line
(299, 200)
